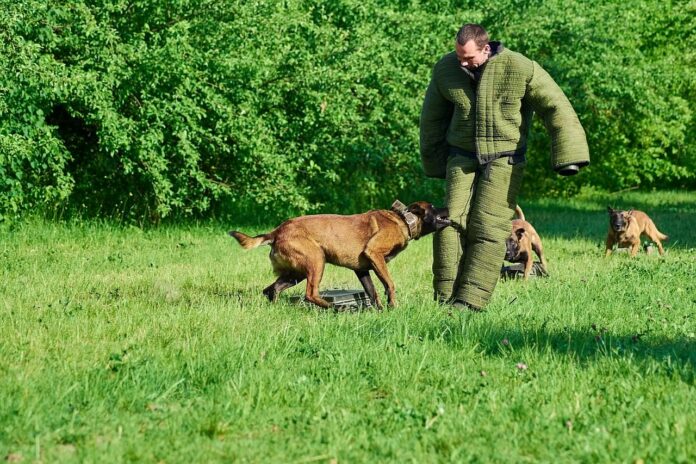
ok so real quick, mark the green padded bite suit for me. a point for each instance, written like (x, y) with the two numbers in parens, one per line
(466, 262)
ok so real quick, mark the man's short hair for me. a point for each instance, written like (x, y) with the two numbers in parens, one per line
(473, 32)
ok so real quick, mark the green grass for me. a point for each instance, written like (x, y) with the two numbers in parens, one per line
(119, 344)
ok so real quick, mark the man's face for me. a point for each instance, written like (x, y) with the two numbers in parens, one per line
(470, 55)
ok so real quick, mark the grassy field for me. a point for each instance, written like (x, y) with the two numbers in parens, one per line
(120, 344)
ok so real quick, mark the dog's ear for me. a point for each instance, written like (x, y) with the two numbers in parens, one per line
(416, 209)
(629, 213)
(519, 233)
(609, 209)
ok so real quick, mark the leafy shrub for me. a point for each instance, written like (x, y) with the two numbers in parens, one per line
(147, 109)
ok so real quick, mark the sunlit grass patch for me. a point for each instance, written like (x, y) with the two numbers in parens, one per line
(122, 344)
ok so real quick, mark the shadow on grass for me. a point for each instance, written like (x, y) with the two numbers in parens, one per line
(594, 342)
(463, 330)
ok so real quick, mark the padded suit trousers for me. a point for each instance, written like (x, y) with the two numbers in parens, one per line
(467, 262)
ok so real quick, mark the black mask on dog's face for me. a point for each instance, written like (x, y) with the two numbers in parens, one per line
(440, 217)
(512, 245)
(618, 220)
(432, 218)
(510, 249)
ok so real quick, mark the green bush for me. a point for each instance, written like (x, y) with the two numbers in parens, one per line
(628, 70)
(147, 109)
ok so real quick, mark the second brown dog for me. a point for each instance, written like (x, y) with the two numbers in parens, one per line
(300, 247)
(626, 228)
(522, 240)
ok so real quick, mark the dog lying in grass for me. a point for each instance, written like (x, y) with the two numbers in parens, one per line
(300, 247)
(626, 229)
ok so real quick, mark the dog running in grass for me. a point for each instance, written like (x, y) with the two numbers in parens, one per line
(522, 240)
(300, 247)
(626, 229)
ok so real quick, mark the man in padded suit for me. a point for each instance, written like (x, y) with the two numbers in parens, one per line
(474, 126)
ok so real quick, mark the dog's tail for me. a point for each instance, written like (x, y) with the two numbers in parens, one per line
(652, 228)
(519, 213)
(248, 242)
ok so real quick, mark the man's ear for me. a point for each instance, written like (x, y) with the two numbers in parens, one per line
(519, 233)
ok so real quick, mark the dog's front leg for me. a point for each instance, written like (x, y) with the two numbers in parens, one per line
(528, 266)
(380, 267)
(609, 244)
(366, 281)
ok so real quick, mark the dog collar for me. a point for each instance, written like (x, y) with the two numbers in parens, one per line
(408, 217)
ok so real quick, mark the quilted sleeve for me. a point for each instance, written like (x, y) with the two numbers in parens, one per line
(434, 121)
(568, 141)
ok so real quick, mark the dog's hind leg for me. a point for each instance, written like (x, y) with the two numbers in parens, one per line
(315, 271)
(281, 283)
(659, 246)
(635, 246)
(297, 259)
(369, 287)
(656, 236)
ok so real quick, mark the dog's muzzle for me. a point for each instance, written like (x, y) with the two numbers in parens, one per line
(511, 250)
(442, 219)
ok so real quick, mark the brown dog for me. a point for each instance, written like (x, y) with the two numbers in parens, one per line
(626, 228)
(522, 240)
(300, 247)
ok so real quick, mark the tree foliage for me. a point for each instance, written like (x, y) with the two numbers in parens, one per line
(152, 108)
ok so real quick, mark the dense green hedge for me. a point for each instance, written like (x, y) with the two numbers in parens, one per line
(154, 108)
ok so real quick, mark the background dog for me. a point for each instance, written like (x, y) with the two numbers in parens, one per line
(300, 247)
(522, 240)
(626, 228)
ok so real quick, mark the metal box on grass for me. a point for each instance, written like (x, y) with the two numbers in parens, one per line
(340, 299)
(516, 270)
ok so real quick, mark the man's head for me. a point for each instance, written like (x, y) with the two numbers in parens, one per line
(472, 46)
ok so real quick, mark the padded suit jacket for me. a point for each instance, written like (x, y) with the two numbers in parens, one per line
(491, 118)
